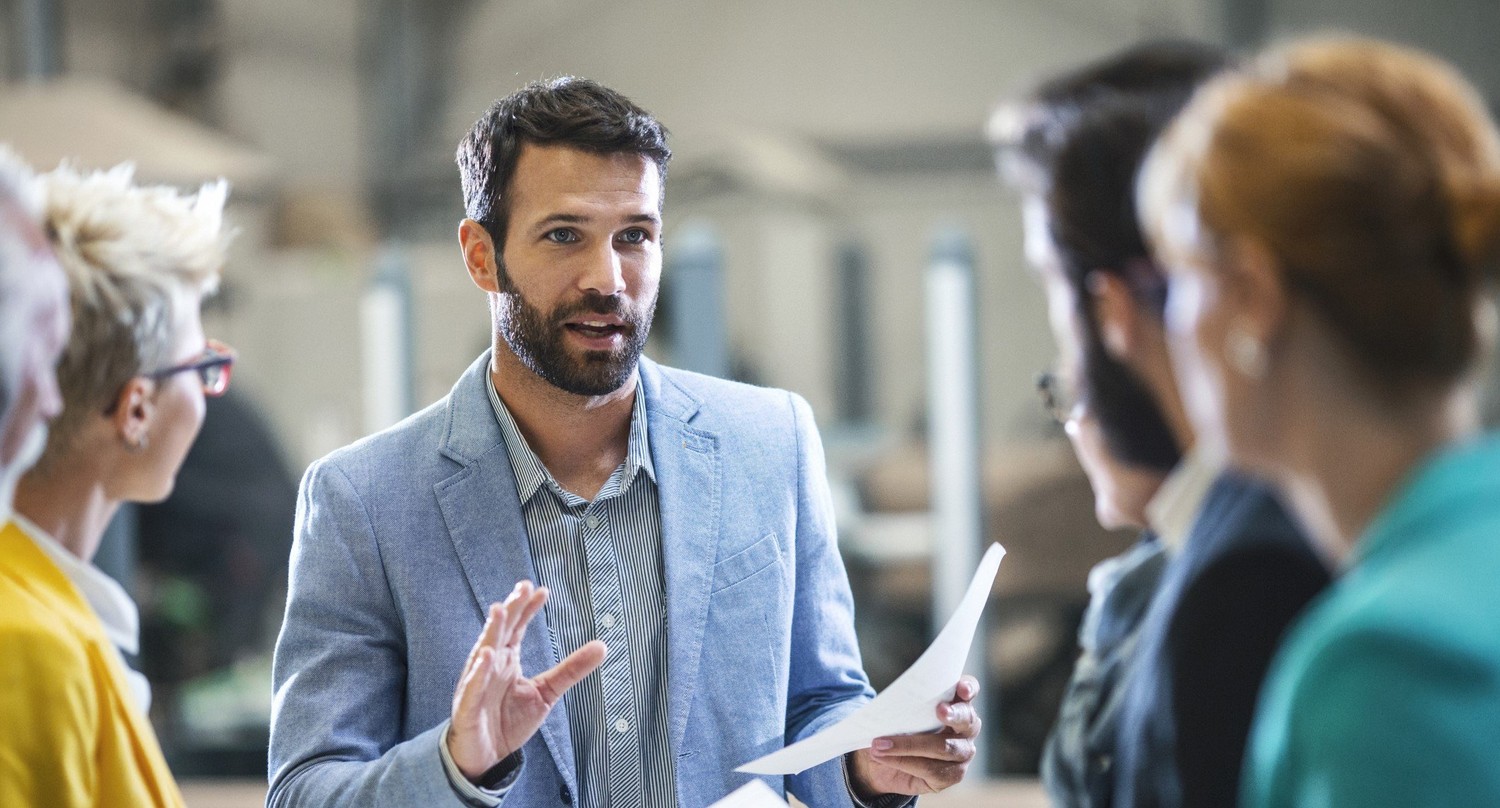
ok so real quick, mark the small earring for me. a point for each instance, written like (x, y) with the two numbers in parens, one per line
(137, 445)
(1246, 353)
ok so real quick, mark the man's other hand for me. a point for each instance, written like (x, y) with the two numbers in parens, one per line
(496, 709)
(926, 762)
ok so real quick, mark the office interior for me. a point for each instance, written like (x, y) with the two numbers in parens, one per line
(830, 162)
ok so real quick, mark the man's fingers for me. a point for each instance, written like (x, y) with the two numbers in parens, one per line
(572, 670)
(960, 717)
(513, 607)
(524, 612)
(967, 689)
(494, 620)
(935, 774)
(943, 746)
(471, 688)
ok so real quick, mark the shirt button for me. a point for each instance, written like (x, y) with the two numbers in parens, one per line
(621, 725)
(607, 620)
(593, 522)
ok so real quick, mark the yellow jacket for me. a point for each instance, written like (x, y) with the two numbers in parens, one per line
(69, 733)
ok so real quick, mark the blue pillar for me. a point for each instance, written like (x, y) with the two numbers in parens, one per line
(855, 369)
(386, 340)
(695, 277)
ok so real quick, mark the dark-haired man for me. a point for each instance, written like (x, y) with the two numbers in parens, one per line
(645, 555)
(1182, 627)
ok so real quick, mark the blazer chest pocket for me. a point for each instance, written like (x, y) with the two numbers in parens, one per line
(747, 562)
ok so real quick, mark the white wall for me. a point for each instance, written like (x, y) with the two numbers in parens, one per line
(810, 71)
(869, 72)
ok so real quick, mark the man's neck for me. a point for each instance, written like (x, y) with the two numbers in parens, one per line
(580, 439)
(70, 504)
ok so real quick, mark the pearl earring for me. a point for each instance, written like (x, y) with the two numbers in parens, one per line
(1246, 353)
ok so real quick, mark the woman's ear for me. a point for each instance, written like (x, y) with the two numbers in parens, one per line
(133, 411)
(479, 255)
(1254, 286)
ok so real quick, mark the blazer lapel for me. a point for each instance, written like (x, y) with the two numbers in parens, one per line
(483, 515)
(687, 464)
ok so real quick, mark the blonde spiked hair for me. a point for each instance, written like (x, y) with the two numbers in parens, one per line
(133, 254)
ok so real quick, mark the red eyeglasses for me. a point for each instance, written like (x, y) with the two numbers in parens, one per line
(212, 366)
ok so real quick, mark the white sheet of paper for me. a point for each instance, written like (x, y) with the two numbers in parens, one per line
(910, 703)
(754, 794)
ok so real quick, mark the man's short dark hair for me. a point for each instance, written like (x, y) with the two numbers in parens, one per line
(564, 111)
(1076, 143)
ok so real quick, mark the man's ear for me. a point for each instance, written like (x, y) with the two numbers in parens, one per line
(1116, 313)
(133, 411)
(479, 255)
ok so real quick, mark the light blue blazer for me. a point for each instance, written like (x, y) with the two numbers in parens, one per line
(403, 538)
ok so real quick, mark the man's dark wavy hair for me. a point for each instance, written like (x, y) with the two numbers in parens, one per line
(1081, 138)
(563, 111)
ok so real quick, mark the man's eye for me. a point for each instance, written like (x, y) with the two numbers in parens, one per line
(635, 235)
(562, 235)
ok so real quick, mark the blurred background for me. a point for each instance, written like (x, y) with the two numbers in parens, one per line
(834, 226)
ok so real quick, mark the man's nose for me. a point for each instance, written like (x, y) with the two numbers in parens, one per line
(604, 274)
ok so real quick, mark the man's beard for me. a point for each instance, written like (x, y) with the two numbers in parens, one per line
(538, 339)
(1134, 427)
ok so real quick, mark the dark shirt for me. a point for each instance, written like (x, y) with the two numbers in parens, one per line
(1224, 602)
(1078, 762)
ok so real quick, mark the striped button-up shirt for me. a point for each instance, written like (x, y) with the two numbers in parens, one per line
(602, 563)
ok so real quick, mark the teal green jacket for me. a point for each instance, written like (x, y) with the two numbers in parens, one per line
(1387, 693)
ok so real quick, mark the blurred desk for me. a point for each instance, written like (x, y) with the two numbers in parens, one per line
(1007, 793)
(224, 793)
(1017, 792)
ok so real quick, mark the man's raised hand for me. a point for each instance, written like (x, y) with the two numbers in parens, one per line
(496, 708)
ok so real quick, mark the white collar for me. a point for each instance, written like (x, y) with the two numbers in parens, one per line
(1175, 507)
(110, 602)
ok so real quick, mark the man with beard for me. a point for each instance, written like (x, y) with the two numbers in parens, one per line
(33, 330)
(603, 524)
(1180, 629)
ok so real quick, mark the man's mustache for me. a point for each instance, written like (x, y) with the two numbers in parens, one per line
(595, 304)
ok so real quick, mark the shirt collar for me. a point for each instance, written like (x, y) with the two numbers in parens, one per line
(113, 605)
(531, 475)
(117, 612)
(1173, 510)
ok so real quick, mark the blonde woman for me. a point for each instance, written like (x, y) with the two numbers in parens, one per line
(1330, 218)
(133, 377)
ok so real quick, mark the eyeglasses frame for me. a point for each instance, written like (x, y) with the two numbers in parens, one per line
(219, 356)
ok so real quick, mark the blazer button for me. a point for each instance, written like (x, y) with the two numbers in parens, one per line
(567, 796)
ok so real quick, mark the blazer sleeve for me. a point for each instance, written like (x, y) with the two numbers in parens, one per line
(826, 679)
(339, 671)
(1230, 623)
(51, 710)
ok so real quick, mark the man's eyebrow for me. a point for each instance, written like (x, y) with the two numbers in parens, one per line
(575, 218)
(560, 218)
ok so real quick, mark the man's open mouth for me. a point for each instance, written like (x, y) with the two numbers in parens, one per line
(596, 328)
